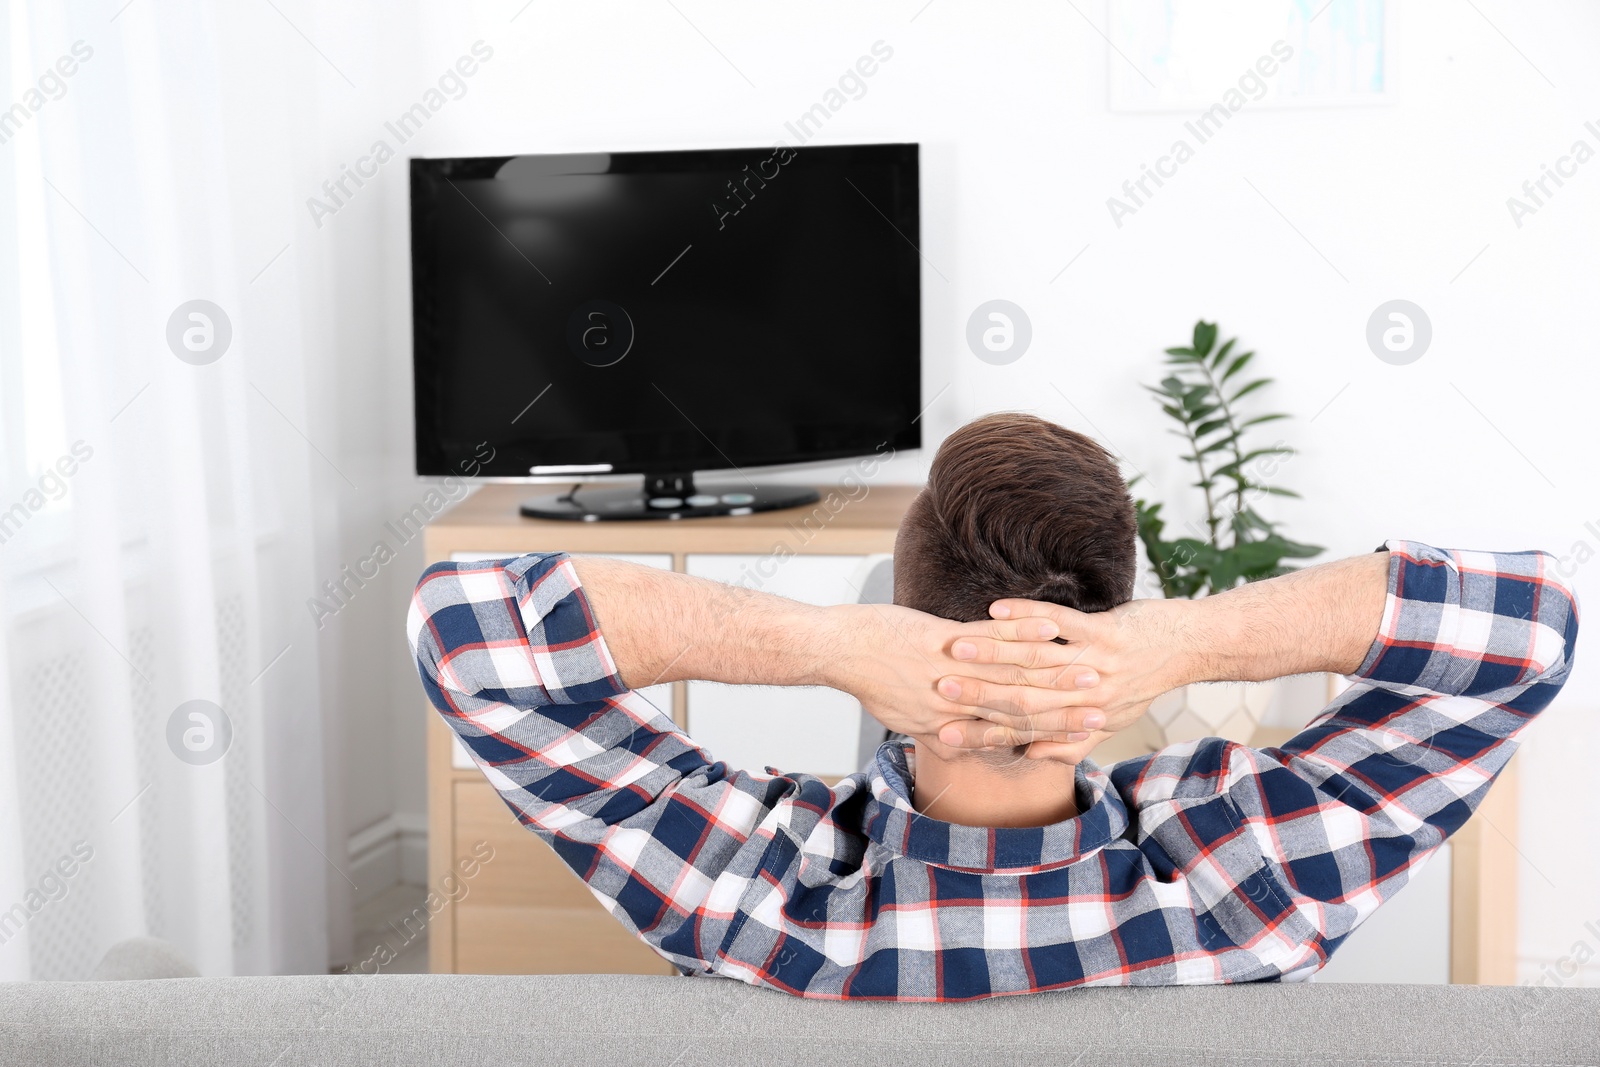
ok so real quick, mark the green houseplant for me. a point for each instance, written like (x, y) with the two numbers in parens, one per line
(1202, 393)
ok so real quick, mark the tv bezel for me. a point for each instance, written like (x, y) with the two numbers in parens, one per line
(431, 461)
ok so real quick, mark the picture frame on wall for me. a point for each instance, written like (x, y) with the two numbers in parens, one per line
(1190, 55)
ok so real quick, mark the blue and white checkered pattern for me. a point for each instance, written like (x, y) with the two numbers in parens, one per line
(1206, 862)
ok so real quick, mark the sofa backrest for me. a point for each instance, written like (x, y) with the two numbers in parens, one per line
(612, 1020)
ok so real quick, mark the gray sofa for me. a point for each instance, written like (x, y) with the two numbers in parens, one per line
(614, 1020)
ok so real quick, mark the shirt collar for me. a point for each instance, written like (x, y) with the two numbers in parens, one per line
(893, 823)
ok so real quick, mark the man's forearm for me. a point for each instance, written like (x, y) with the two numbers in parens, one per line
(662, 626)
(667, 627)
(1323, 618)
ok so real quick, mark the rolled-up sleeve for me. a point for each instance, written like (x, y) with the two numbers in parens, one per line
(1472, 646)
(511, 657)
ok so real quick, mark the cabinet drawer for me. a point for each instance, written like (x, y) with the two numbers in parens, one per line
(526, 912)
(524, 870)
(516, 940)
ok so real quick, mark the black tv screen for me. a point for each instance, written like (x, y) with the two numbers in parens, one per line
(648, 312)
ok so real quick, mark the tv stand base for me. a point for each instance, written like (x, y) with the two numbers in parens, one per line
(666, 496)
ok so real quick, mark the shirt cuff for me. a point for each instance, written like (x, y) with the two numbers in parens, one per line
(565, 648)
(1456, 622)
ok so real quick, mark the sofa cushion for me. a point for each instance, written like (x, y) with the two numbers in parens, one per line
(612, 1020)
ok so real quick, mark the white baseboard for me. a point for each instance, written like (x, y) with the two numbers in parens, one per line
(413, 847)
(391, 851)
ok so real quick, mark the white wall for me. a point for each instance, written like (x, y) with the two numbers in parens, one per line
(1487, 441)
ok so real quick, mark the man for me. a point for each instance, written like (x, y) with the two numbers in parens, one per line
(947, 871)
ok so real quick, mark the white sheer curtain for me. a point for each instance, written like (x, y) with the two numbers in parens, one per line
(157, 513)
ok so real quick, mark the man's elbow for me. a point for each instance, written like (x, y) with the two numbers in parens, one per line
(443, 570)
(1554, 614)
(420, 633)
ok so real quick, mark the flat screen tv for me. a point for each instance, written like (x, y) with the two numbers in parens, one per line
(663, 313)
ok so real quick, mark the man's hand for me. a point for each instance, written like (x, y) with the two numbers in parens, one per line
(1322, 618)
(1132, 653)
(901, 664)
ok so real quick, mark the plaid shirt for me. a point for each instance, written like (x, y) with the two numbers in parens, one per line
(1205, 862)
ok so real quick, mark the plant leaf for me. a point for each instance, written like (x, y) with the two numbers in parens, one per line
(1286, 548)
(1296, 550)
(1228, 440)
(1247, 518)
(1205, 335)
(1237, 365)
(1252, 387)
(1222, 353)
(1246, 523)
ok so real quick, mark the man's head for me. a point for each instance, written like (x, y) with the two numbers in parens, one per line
(1016, 507)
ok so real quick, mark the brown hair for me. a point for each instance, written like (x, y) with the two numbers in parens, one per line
(1016, 507)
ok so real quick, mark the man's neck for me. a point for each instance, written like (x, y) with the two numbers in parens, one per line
(959, 789)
